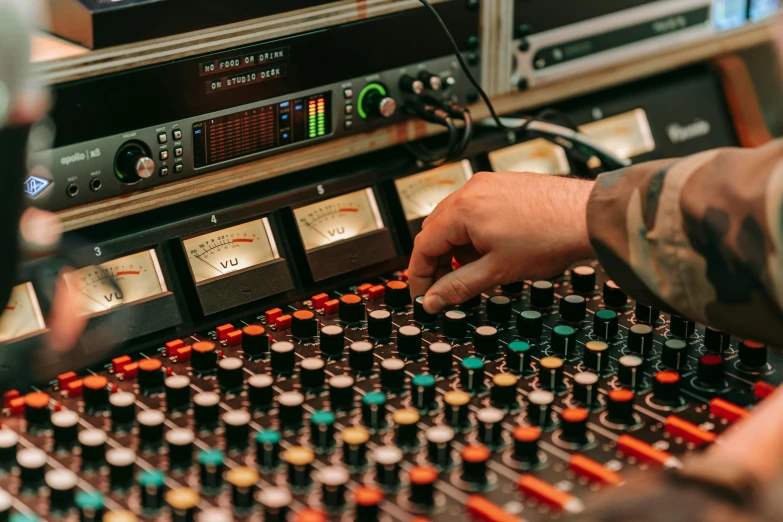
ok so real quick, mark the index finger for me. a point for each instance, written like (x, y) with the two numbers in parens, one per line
(439, 238)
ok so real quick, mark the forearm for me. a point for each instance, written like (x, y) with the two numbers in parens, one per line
(701, 236)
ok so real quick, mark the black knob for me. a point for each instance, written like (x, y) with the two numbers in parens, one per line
(420, 314)
(379, 324)
(351, 309)
(393, 374)
(455, 324)
(37, 411)
(519, 358)
(180, 444)
(682, 327)
(412, 85)
(341, 395)
(631, 372)
(474, 464)
(542, 294)
(640, 339)
(583, 279)
(236, 425)
(96, 393)
(499, 309)
(93, 444)
(526, 439)
(31, 462)
(409, 341)
(283, 358)
(440, 358)
(586, 390)
(397, 295)
(486, 342)
(203, 357)
(563, 341)
(472, 374)
(268, 449)
(374, 410)
(716, 341)
(550, 374)
(423, 392)
(150, 428)
(133, 164)
(312, 373)
(290, 408)
(275, 502)
(322, 429)
(121, 467)
(150, 376)
(361, 356)
(123, 410)
(539, 408)
(206, 410)
(605, 324)
(646, 314)
(260, 391)
(596, 358)
(255, 341)
(573, 423)
(65, 424)
(422, 480)
(455, 404)
(503, 392)
(430, 81)
(530, 324)
(614, 296)
(666, 388)
(752, 354)
(334, 484)
(243, 482)
(304, 324)
(439, 445)
(62, 490)
(332, 341)
(675, 354)
(231, 374)
(381, 105)
(710, 371)
(407, 430)
(300, 465)
(620, 407)
(387, 465)
(573, 308)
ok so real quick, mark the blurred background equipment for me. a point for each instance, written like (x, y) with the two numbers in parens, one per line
(239, 203)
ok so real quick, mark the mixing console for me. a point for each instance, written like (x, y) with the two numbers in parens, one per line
(357, 405)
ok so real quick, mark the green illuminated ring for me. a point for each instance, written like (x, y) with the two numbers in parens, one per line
(367, 88)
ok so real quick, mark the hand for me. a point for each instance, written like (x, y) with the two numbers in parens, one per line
(502, 228)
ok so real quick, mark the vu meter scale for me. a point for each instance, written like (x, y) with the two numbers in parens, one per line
(231, 249)
(421, 193)
(22, 315)
(137, 277)
(338, 219)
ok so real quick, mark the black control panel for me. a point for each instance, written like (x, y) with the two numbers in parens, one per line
(247, 102)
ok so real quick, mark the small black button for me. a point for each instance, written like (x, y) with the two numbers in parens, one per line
(164, 155)
(178, 151)
(164, 171)
(178, 168)
(162, 138)
(177, 134)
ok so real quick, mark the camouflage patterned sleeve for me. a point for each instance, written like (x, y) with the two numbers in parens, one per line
(701, 235)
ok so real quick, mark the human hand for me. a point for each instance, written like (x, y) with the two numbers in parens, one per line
(502, 228)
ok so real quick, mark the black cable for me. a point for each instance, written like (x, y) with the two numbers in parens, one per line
(432, 114)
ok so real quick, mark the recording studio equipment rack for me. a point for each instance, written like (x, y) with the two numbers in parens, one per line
(163, 123)
(277, 369)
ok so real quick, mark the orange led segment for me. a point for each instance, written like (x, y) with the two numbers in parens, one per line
(484, 510)
(64, 378)
(331, 307)
(283, 322)
(688, 431)
(234, 338)
(130, 371)
(272, 314)
(727, 410)
(376, 292)
(594, 471)
(183, 354)
(75, 388)
(118, 363)
(224, 330)
(173, 346)
(319, 300)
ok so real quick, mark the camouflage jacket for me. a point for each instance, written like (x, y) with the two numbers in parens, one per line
(701, 236)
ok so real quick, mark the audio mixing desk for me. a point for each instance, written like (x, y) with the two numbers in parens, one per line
(356, 405)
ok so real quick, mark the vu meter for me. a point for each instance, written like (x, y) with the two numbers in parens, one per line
(137, 277)
(338, 219)
(231, 249)
(22, 315)
(627, 134)
(538, 155)
(421, 193)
